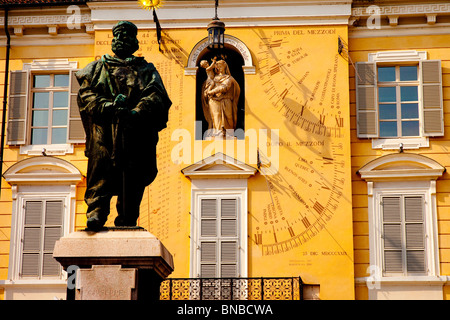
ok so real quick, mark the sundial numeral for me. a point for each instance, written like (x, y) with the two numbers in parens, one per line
(275, 43)
(291, 231)
(327, 160)
(322, 119)
(318, 207)
(258, 238)
(284, 93)
(306, 222)
(275, 69)
(340, 122)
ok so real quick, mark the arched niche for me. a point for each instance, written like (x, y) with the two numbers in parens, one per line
(240, 63)
(230, 42)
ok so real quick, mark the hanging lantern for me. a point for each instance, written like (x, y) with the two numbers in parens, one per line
(216, 34)
(216, 31)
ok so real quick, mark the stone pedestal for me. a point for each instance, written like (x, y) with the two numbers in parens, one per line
(114, 264)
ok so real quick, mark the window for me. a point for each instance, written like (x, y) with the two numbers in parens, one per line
(403, 235)
(399, 99)
(42, 108)
(219, 217)
(49, 109)
(43, 210)
(43, 224)
(403, 226)
(218, 237)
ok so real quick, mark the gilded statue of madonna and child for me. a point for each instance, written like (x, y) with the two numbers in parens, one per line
(220, 96)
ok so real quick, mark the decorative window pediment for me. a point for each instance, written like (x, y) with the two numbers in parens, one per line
(42, 169)
(401, 166)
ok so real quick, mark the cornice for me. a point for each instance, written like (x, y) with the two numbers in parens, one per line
(399, 19)
(44, 20)
(406, 9)
(235, 13)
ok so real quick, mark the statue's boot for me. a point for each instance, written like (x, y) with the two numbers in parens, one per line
(121, 221)
(128, 212)
(96, 220)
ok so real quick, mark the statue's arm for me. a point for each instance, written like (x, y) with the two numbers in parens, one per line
(154, 104)
(222, 87)
(92, 97)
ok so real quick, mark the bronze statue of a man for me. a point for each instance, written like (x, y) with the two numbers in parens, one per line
(123, 105)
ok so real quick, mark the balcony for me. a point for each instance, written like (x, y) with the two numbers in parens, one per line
(232, 289)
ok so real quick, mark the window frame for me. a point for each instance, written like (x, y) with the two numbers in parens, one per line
(392, 188)
(30, 108)
(382, 238)
(208, 178)
(212, 191)
(17, 232)
(38, 178)
(409, 174)
(218, 238)
(398, 84)
(20, 103)
(21, 233)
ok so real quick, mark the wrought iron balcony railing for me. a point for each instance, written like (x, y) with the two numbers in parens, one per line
(232, 289)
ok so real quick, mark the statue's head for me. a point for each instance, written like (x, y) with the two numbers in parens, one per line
(222, 67)
(125, 41)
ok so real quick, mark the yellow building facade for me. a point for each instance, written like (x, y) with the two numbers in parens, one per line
(385, 165)
(304, 188)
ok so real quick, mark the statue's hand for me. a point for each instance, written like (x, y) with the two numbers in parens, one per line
(120, 101)
(121, 109)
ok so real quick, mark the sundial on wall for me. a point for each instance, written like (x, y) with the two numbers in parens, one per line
(300, 72)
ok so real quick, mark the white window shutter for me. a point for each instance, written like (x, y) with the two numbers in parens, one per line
(432, 100)
(208, 232)
(229, 230)
(75, 132)
(208, 208)
(415, 237)
(228, 208)
(393, 261)
(53, 212)
(42, 228)
(50, 266)
(31, 241)
(33, 212)
(228, 211)
(208, 259)
(366, 100)
(30, 265)
(218, 241)
(18, 107)
(208, 226)
(392, 234)
(391, 209)
(52, 232)
(403, 234)
(416, 261)
(228, 257)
